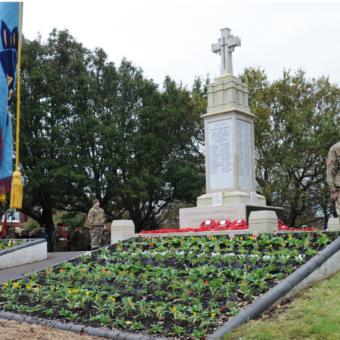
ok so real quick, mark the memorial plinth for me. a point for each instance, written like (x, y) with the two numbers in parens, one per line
(229, 148)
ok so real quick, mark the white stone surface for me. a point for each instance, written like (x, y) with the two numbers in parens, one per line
(244, 158)
(121, 230)
(226, 94)
(221, 158)
(217, 199)
(333, 224)
(234, 197)
(193, 217)
(224, 47)
(229, 153)
(264, 221)
(33, 253)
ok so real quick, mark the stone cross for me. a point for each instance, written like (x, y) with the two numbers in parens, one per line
(225, 47)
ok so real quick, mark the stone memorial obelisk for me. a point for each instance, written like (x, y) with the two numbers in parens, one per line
(229, 148)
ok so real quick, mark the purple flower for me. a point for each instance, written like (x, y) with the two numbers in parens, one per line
(232, 264)
(188, 265)
(148, 260)
(241, 267)
(90, 288)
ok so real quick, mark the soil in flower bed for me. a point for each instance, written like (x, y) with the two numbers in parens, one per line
(183, 287)
(7, 244)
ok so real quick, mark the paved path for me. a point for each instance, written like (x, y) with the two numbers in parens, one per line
(52, 259)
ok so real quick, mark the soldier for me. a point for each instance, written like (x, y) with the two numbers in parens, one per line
(87, 238)
(96, 220)
(106, 240)
(333, 172)
(61, 242)
(77, 240)
(11, 233)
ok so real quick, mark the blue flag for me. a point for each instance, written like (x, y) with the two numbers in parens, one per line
(10, 28)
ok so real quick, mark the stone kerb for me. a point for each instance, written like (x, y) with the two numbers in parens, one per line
(333, 224)
(122, 230)
(23, 254)
(263, 221)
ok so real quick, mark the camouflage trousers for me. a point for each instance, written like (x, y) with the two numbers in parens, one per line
(337, 206)
(96, 236)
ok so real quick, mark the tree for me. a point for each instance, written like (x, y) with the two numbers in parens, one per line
(296, 123)
(52, 74)
(136, 146)
(90, 130)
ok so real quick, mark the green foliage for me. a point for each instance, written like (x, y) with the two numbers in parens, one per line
(71, 219)
(90, 129)
(296, 123)
(31, 225)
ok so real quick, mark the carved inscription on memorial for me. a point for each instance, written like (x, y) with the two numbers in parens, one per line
(244, 159)
(221, 162)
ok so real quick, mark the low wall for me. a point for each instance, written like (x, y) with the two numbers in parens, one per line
(28, 252)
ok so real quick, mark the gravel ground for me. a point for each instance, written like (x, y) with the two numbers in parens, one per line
(10, 330)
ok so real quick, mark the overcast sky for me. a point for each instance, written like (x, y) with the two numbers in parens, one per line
(174, 37)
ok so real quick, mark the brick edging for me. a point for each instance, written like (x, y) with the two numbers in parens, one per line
(280, 290)
(21, 246)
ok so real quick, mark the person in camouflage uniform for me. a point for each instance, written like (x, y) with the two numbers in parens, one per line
(106, 239)
(333, 174)
(97, 221)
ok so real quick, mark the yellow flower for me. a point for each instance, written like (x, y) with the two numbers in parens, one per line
(97, 297)
(113, 299)
(57, 288)
(241, 238)
(6, 284)
(70, 292)
(213, 315)
(236, 238)
(29, 287)
(87, 293)
(271, 245)
(76, 290)
(15, 284)
(195, 314)
(73, 291)
(174, 309)
(243, 284)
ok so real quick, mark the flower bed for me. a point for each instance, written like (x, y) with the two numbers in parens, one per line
(7, 244)
(168, 286)
(211, 225)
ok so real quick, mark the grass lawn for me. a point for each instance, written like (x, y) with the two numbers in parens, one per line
(314, 314)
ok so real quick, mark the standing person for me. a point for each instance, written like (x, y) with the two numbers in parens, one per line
(333, 172)
(42, 232)
(106, 240)
(11, 233)
(61, 238)
(77, 240)
(87, 238)
(96, 220)
(70, 232)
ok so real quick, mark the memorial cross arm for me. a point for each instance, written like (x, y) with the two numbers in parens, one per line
(224, 47)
